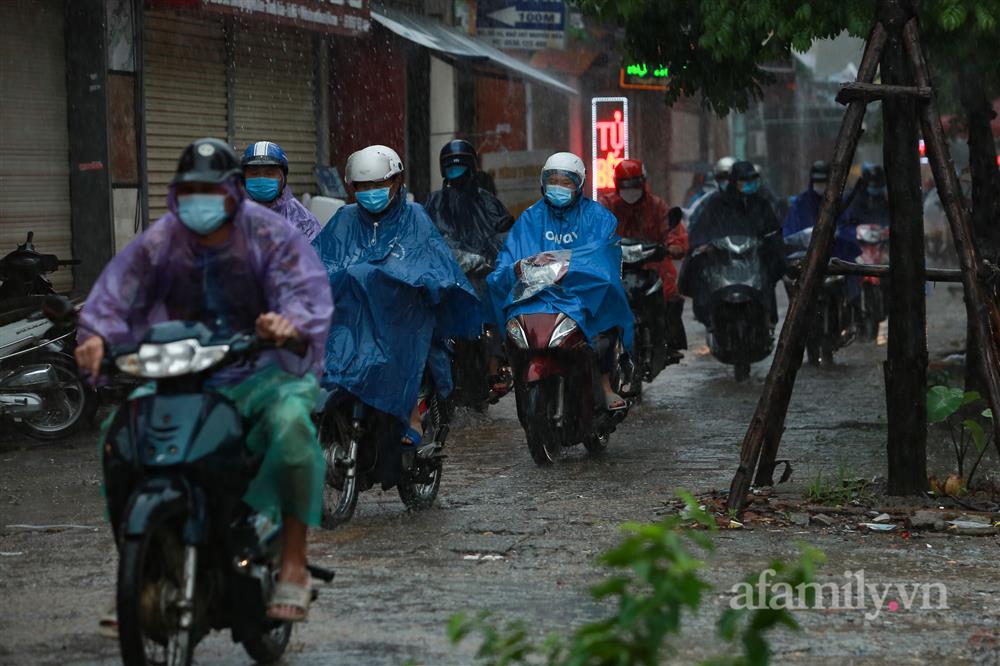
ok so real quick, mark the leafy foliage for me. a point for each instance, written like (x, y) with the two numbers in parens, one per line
(947, 405)
(655, 581)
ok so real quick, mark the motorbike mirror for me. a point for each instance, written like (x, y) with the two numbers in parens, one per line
(59, 310)
(674, 217)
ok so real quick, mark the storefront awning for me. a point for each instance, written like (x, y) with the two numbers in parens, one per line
(454, 45)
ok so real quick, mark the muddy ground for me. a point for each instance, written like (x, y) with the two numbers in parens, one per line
(400, 576)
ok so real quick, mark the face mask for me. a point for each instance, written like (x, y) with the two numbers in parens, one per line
(819, 188)
(876, 191)
(374, 201)
(630, 195)
(263, 189)
(455, 172)
(559, 196)
(750, 187)
(202, 213)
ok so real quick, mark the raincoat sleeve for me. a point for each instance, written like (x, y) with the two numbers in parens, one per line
(678, 237)
(302, 218)
(297, 288)
(502, 219)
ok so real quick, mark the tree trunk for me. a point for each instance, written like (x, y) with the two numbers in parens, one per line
(906, 365)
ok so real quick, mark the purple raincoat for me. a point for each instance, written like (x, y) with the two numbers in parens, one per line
(290, 208)
(166, 274)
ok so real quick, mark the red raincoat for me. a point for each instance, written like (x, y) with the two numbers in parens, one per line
(646, 220)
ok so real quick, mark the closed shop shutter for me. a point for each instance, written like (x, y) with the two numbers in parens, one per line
(275, 97)
(185, 93)
(34, 139)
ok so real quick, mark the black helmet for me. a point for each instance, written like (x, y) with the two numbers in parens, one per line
(874, 174)
(207, 161)
(743, 170)
(458, 152)
(820, 172)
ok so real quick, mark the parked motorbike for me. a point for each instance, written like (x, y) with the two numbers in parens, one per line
(475, 388)
(557, 376)
(362, 447)
(39, 387)
(872, 310)
(192, 556)
(831, 326)
(739, 328)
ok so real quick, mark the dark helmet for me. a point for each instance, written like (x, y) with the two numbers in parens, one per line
(207, 161)
(820, 172)
(743, 170)
(873, 173)
(265, 153)
(458, 152)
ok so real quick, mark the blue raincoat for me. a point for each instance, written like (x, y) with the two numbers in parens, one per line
(591, 292)
(398, 294)
(804, 212)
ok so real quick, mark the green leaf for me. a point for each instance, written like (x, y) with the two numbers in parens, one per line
(988, 413)
(942, 402)
(977, 433)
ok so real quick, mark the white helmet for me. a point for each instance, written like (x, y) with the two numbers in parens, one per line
(567, 162)
(373, 164)
(723, 166)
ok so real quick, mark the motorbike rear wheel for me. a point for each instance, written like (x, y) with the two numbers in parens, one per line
(340, 492)
(544, 445)
(150, 579)
(68, 406)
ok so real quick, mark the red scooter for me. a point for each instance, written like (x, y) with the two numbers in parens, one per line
(557, 374)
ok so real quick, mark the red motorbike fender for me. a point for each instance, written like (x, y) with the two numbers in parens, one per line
(541, 367)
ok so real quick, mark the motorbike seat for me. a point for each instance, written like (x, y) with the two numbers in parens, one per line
(15, 309)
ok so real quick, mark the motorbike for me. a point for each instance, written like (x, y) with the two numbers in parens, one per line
(39, 387)
(644, 289)
(831, 325)
(557, 376)
(474, 387)
(193, 557)
(362, 447)
(735, 284)
(873, 240)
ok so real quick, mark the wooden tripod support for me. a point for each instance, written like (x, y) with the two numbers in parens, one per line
(760, 444)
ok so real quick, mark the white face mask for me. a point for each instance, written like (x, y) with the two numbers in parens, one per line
(819, 188)
(630, 195)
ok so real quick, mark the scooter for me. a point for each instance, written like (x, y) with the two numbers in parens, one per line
(362, 447)
(557, 376)
(831, 325)
(739, 327)
(873, 240)
(192, 556)
(644, 289)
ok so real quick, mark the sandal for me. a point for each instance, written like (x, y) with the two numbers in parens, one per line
(615, 403)
(107, 626)
(412, 438)
(290, 595)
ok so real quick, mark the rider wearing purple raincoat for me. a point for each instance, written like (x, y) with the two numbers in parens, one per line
(265, 178)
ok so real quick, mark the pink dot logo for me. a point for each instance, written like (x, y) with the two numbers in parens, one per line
(893, 606)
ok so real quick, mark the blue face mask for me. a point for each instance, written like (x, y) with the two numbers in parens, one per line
(455, 172)
(750, 187)
(202, 213)
(559, 196)
(263, 189)
(374, 201)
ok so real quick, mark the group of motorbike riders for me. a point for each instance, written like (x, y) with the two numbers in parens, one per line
(376, 298)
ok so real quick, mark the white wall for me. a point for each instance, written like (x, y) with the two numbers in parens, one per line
(444, 121)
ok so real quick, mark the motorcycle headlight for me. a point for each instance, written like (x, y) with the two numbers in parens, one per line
(171, 359)
(562, 331)
(632, 253)
(516, 333)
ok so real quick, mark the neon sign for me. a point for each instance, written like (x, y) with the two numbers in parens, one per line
(641, 76)
(608, 138)
(643, 71)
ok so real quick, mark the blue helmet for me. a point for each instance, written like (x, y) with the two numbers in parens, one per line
(265, 153)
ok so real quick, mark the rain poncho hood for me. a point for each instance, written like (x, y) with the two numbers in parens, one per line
(297, 214)
(165, 274)
(591, 292)
(398, 292)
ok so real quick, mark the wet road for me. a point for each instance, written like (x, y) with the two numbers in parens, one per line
(520, 540)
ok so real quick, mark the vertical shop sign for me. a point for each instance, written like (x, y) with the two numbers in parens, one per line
(609, 139)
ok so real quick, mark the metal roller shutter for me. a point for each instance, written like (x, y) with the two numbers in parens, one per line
(275, 97)
(34, 135)
(185, 93)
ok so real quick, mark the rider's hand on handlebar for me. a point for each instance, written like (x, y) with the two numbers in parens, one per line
(89, 356)
(675, 251)
(272, 326)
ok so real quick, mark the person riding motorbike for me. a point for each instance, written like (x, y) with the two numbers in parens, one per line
(869, 202)
(472, 221)
(738, 210)
(804, 212)
(720, 174)
(265, 179)
(643, 216)
(564, 219)
(398, 294)
(218, 258)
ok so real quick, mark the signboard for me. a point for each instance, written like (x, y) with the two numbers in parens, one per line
(341, 16)
(609, 139)
(516, 175)
(522, 24)
(640, 76)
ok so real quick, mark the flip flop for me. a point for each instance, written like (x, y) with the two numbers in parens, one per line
(412, 438)
(107, 626)
(291, 595)
(615, 403)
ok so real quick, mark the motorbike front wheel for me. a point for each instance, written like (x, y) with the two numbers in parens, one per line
(270, 645)
(340, 492)
(150, 585)
(67, 406)
(421, 483)
(539, 411)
